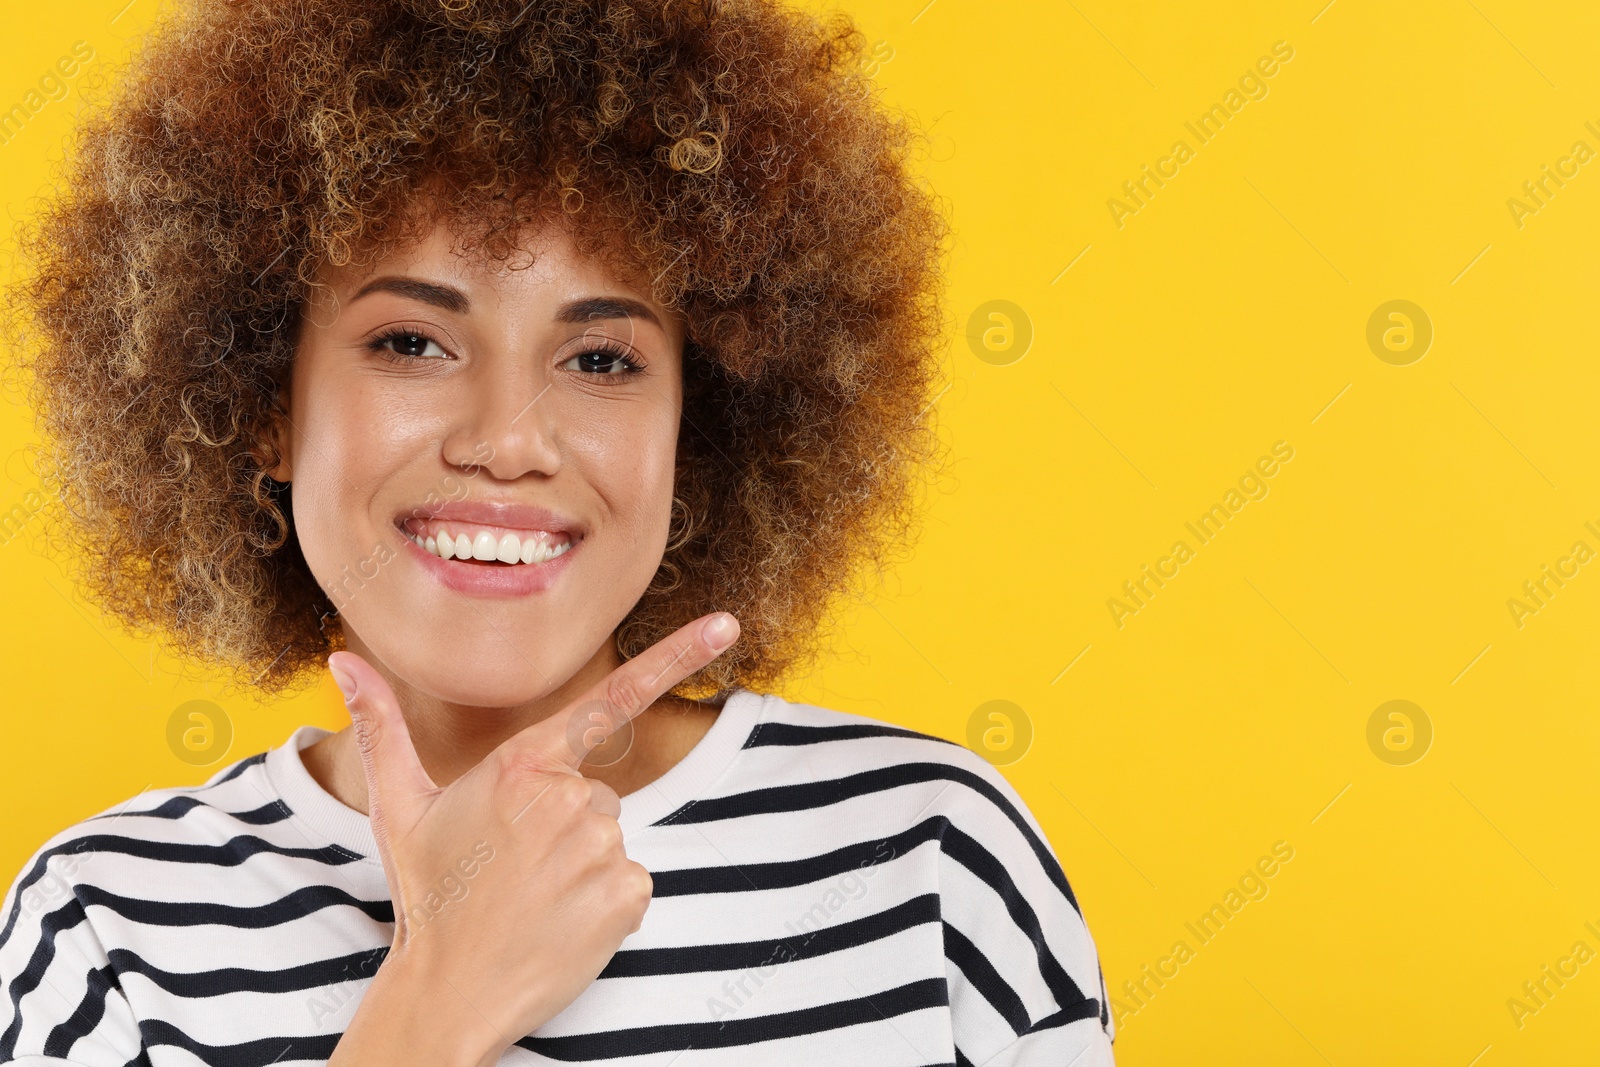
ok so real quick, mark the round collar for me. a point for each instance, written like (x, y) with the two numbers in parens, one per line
(330, 819)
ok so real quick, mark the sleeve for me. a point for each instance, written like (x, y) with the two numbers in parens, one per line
(1023, 975)
(60, 1001)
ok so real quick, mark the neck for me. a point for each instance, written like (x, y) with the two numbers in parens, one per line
(451, 739)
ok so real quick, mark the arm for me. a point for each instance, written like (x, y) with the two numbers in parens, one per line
(59, 998)
(1021, 966)
(404, 1018)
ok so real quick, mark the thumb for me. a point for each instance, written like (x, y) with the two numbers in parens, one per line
(396, 780)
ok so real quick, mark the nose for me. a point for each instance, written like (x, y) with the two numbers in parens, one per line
(509, 429)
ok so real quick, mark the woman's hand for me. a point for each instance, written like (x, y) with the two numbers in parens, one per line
(510, 885)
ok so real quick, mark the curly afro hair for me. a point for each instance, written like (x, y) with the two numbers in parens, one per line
(732, 150)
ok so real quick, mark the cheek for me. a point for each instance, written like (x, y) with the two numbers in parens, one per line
(629, 458)
(346, 449)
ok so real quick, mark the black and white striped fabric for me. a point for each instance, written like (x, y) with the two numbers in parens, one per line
(829, 889)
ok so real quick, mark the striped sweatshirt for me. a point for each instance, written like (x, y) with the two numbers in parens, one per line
(829, 889)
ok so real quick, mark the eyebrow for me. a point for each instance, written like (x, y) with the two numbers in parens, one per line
(453, 300)
(447, 297)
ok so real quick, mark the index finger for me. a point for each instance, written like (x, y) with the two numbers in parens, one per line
(572, 733)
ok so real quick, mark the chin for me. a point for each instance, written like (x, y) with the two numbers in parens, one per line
(468, 632)
(492, 675)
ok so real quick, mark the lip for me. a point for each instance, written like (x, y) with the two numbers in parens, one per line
(503, 514)
(486, 579)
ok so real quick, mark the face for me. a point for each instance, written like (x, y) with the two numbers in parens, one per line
(482, 461)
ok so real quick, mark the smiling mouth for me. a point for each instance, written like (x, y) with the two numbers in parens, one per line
(481, 544)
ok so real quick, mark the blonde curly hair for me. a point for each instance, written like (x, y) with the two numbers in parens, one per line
(733, 150)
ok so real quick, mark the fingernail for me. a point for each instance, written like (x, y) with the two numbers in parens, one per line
(720, 631)
(344, 680)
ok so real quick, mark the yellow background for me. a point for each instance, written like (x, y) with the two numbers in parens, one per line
(1228, 314)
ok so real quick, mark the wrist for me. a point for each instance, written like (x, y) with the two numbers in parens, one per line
(411, 1016)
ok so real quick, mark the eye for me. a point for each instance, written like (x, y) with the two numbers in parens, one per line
(408, 344)
(604, 360)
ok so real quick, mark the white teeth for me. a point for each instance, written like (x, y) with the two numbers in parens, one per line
(507, 548)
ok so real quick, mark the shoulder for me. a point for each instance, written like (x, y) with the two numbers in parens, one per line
(828, 740)
(788, 723)
(1021, 956)
(846, 742)
(234, 799)
(221, 822)
(59, 976)
(804, 754)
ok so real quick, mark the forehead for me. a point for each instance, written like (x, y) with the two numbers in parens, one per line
(546, 267)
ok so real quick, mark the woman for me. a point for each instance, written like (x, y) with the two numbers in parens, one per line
(546, 371)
